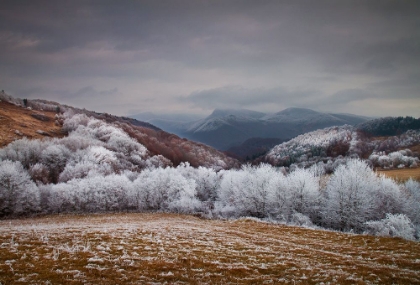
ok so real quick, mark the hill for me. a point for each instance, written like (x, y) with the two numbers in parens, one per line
(253, 148)
(40, 118)
(174, 249)
(16, 122)
(332, 146)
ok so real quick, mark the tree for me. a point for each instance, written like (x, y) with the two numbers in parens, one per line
(304, 195)
(18, 194)
(55, 158)
(246, 192)
(398, 225)
(350, 196)
(165, 190)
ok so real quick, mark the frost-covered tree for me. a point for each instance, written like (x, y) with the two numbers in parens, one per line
(246, 192)
(387, 198)
(206, 180)
(27, 152)
(165, 190)
(350, 196)
(412, 202)
(305, 197)
(55, 158)
(18, 194)
(398, 225)
(39, 173)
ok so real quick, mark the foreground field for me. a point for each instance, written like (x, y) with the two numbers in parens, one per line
(178, 249)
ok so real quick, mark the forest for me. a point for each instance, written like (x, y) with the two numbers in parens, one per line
(98, 167)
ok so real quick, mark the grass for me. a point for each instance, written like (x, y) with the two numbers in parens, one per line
(402, 174)
(15, 118)
(179, 249)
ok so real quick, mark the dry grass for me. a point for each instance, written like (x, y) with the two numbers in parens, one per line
(177, 249)
(402, 174)
(14, 118)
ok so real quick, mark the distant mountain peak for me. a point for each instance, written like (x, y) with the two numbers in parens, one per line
(297, 110)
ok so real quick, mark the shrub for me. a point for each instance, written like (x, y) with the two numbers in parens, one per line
(398, 225)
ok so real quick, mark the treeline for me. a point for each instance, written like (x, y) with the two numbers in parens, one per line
(389, 126)
(353, 199)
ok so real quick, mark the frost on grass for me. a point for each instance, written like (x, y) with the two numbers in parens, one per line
(177, 249)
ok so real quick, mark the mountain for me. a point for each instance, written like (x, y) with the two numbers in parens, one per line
(227, 128)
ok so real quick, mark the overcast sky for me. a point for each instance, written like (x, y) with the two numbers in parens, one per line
(126, 57)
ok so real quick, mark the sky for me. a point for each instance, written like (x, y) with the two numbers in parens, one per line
(192, 56)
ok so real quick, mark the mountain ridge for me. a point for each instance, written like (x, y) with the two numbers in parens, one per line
(227, 128)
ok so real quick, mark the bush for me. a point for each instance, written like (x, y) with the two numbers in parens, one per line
(398, 225)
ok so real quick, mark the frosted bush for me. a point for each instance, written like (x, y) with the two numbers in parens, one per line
(18, 194)
(398, 225)
(350, 196)
(299, 219)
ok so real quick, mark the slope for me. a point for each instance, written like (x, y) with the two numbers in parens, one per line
(335, 144)
(40, 118)
(17, 122)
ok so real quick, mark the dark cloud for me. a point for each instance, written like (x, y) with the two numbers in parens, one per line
(162, 50)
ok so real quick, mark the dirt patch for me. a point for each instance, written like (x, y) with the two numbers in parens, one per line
(17, 122)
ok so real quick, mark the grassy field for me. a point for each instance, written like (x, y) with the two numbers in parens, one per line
(178, 249)
(402, 174)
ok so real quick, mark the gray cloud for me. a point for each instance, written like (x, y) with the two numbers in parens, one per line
(350, 95)
(256, 98)
(281, 53)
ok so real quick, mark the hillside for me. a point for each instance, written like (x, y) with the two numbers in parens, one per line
(253, 148)
(17, 122)
(332, 146)
(179, 249)
(45, 119)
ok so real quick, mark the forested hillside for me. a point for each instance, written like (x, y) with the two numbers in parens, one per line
(331, 147)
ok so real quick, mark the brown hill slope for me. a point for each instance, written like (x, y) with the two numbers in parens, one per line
(17, 122)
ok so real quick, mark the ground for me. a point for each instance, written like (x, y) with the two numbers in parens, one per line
(179, 249)
(17, 122)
